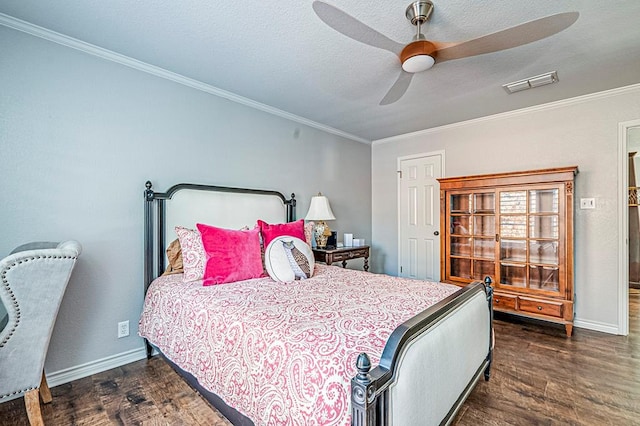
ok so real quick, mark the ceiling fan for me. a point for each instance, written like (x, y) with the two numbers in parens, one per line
(421, 54)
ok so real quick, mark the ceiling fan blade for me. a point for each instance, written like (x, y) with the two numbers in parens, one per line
(511, 37)
(351, 27)
(398, 89)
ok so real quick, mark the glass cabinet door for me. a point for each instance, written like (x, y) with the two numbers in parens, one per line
(472, 231)
(529, 229)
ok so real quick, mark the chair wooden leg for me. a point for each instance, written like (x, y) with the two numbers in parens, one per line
(45, 393)
(32, 402)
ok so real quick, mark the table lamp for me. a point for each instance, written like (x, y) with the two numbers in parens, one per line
(319, 211)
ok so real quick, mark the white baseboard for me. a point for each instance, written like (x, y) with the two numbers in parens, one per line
(98, 366)
(597, 326)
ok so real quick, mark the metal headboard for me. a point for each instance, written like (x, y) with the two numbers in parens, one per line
(155, 220)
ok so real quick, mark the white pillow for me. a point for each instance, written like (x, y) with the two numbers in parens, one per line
(288, 258)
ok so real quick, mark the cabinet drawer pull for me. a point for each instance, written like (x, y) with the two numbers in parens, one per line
(539, 308)
(501, 301)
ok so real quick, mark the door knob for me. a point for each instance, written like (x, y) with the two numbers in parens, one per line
(436, 233)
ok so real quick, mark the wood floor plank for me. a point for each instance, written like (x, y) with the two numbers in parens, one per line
(539, 377)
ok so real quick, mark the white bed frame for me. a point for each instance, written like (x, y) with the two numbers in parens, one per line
(430, 363)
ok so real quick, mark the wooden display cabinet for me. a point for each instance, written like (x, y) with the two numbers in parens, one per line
(516, 228)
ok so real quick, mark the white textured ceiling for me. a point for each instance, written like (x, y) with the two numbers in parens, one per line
(280, 54)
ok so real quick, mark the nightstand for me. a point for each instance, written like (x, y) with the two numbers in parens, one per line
(343, 254)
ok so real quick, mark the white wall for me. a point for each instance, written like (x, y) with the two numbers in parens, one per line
(79, 136)
(582, 132)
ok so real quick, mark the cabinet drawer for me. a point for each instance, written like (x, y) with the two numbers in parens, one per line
(352, 254)
(504, 301)
(540, 307)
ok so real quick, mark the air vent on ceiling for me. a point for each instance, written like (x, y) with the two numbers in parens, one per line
(531, 82)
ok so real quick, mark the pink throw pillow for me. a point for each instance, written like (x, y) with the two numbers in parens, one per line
(231, 255)
(292, 229)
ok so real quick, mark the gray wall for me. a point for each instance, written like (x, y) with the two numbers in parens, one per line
(79, 136)
(583, 133)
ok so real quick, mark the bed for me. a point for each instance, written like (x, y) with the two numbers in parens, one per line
(342, 347)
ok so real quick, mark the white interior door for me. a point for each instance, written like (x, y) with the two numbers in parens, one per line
(419, 216)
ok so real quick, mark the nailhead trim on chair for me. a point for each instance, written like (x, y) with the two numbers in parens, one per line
(17, 392)
(5, 284)
(16, 307)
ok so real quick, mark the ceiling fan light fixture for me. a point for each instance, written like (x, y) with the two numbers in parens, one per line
(418, 63)
(418, 56)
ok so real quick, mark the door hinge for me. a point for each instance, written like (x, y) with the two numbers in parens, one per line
(399, 173)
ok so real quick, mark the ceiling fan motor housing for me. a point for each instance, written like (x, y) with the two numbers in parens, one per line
(419, 55)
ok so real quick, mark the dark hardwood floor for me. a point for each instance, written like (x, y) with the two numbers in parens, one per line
(141, 393)
(539, 377)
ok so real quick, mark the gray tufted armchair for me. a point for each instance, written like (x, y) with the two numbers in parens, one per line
(33, 279)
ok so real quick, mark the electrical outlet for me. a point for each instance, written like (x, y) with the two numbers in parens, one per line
(123, 329)
(587, 203)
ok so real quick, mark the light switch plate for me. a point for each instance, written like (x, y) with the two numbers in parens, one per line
(587, 203)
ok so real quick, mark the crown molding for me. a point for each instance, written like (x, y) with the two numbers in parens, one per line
(543, 107)
(44, 33)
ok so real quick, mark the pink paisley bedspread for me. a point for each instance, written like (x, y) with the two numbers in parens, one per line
(282, 354)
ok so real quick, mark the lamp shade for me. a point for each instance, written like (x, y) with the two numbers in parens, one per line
(319, 209)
